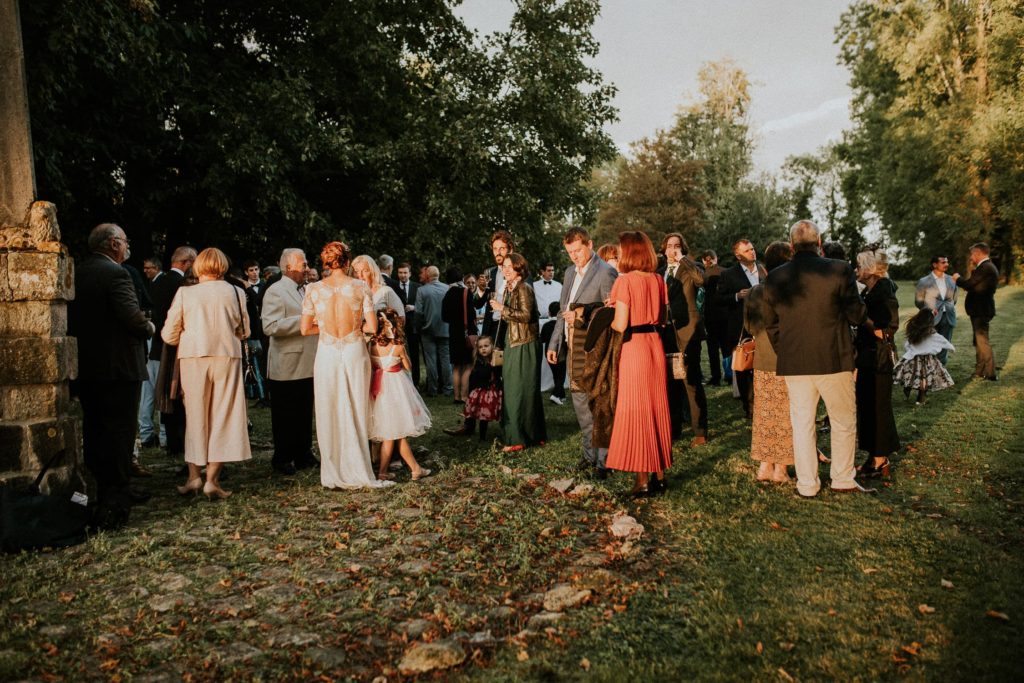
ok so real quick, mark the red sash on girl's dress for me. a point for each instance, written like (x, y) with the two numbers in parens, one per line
(378, 378)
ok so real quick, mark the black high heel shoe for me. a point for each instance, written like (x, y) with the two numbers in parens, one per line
(880, 471)
(657, 486)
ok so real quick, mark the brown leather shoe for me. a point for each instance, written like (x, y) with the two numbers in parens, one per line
(139, 471)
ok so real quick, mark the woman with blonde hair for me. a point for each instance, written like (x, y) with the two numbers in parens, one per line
(340, 309)
(876, 358)
(366, 269)
(206, 322)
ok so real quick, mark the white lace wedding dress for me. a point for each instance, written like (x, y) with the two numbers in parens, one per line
(341, 381)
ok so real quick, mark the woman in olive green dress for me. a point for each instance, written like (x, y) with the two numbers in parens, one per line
(522, 410)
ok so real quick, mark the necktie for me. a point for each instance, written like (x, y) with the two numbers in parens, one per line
(671, 272)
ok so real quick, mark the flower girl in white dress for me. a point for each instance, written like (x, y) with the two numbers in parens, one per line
(397, 412)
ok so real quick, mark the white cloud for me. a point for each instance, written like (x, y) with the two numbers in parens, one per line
(825, 110)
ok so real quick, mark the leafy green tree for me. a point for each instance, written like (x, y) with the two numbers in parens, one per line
(259, 125)
(939, 114)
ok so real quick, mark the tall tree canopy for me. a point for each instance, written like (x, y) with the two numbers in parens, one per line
(258, 125)
(939, 114)
(694, 177)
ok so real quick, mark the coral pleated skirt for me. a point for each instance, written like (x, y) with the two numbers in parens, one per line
(642, 428)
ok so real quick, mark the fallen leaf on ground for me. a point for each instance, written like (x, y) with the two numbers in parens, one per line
(760, 647)
(585, 664)
(782, 672)
(739, 622)
(946, 584)
(788, 647)
(870, 570)
(925, 609)
(913, 649)
(523, 655)
(1001, 616)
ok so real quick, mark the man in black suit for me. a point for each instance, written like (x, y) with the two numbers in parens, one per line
(810, 304)
(683, 279)
(386, 264)
(981, 307)
(714, 322)
(501, 246)
(111, 330)
(733, 286)
(164, 290)
(407, 293)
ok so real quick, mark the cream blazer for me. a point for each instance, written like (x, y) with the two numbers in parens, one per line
(291, 355)
(207, 319)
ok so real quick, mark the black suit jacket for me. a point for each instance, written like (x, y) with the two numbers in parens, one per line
(981, 290)
(410, 316)
(164, 290)
(106, 319)
(730, 283)
(809, 305)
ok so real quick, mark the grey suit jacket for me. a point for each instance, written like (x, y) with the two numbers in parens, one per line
(926, 295)
(291, 355)
(428, 308)
(595, 288)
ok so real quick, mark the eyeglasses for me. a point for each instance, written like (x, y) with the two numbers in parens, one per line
(123, 239)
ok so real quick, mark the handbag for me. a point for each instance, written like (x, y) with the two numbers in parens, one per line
(743, 355)
(470, 338)
(30, 519)
(675, 361)
(250, 378)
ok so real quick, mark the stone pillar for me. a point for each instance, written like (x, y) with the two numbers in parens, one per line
(17, 172)
(37, 358)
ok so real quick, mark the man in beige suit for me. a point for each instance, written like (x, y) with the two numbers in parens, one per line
(289, 367)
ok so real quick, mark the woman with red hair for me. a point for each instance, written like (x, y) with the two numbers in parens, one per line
(642, 431)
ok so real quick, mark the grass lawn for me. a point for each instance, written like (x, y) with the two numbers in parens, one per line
(731, 580)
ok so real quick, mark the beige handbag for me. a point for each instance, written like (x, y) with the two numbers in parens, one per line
(675, 365)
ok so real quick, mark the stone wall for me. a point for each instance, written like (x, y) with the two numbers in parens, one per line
(37, 358)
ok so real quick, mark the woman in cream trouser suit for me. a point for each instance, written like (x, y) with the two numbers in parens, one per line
(206, 322)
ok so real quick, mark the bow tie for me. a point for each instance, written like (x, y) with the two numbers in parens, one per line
(547, 282)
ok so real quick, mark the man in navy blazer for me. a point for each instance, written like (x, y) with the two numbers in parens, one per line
(936, 291)
(981, 307)
(811, 303)
(111, 330)
(585, 287)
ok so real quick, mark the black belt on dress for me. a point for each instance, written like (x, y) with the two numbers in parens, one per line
(643, 329)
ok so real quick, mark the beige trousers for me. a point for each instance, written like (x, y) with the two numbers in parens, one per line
(216, 422)
(837, 390)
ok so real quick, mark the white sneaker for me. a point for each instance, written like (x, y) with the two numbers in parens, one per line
(556, 400)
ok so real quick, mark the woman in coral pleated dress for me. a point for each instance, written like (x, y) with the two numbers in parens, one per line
(642, 432)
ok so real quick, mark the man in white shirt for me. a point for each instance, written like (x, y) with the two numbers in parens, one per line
(936, 291)
(501, 246)
(547, 290)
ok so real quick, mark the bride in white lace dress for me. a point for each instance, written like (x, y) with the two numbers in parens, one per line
(340, 310)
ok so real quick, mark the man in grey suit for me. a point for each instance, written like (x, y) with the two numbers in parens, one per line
(936, 291)
(289, 367)
(434, 333)
(586, 285)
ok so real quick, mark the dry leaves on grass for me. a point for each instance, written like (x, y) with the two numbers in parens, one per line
(998, 616)
(925, 609)
(948, 585)
(585, 664)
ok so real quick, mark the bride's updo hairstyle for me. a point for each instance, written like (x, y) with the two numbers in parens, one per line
(336, 256)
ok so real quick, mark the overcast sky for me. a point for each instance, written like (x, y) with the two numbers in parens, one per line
(652, 50)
